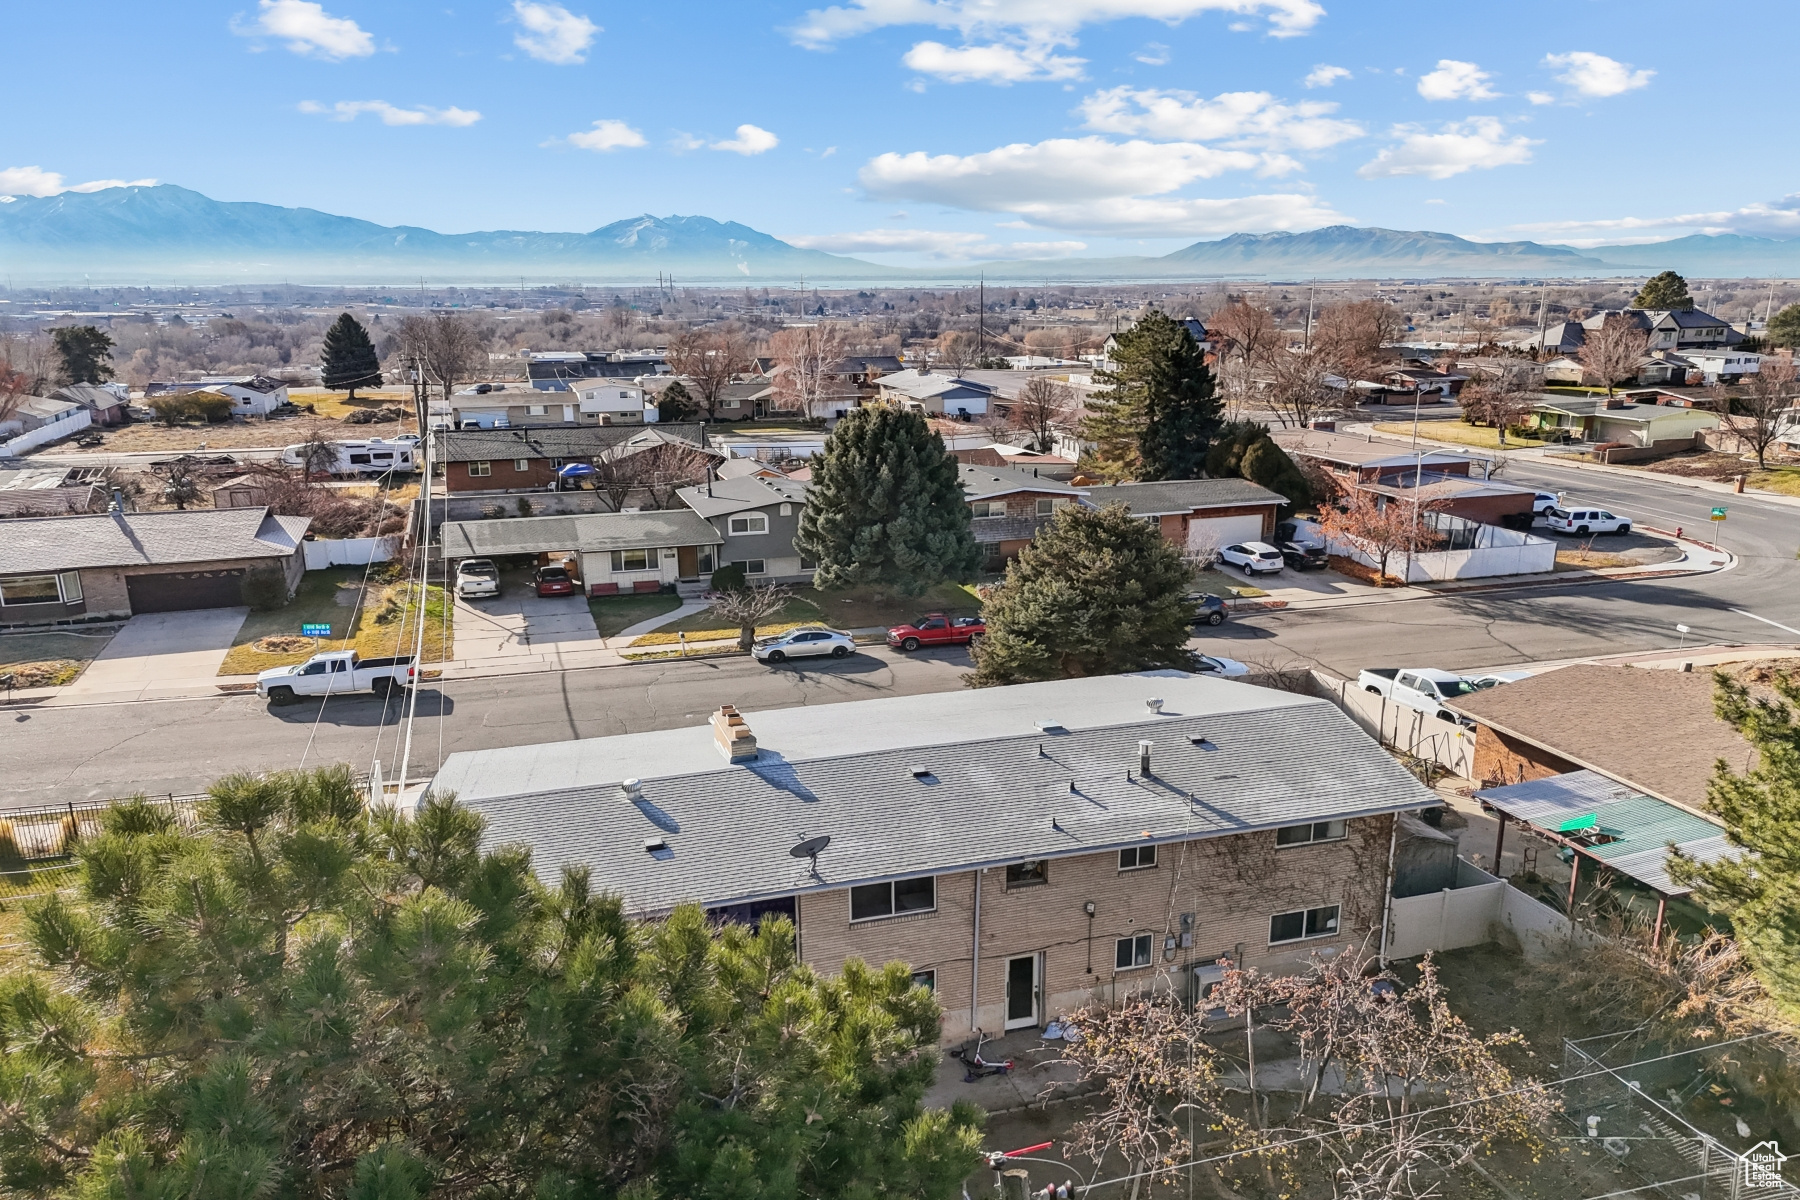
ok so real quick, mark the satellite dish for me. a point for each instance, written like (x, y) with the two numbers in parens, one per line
(810, 847)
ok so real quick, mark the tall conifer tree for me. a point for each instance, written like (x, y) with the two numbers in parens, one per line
(1161, 409)
(349, 359)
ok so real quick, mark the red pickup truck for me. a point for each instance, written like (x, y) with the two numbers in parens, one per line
(936, 629)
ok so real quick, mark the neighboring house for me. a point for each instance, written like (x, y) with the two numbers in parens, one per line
(527, 460)
(497, 406)
(615, 402)
(757, 520)
(616, 552)
(849, 383)
(1484, 501)
(1425, 379)
(1577, 718)
(999, 454)
(1198, 513)
(1615, 419)
(39, 420)
(753, 397)
(250, 395)
(1722, 366)
(560, 370)
(1663, 330)
(1353, 459)
(116, 564)
(242, 491)
(935, 393)
(738, 468)
(104, 402)
(773, 446)
(959, 435)
(1194, 327)
(1028, 850)
(1007, 507)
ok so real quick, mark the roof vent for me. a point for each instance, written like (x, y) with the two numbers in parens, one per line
(924, 775)
(632, 790)
(1201, 742)
(732, 735)
(658, 849)
(1051, 727)
(1153, 704)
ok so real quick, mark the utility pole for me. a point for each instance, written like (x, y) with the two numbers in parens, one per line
(980, 318)
(1306, 343)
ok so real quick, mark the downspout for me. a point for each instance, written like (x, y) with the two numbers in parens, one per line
(1387, 897)
(975, 958)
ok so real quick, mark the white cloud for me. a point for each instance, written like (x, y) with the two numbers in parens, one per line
(1043, 21)
(607, 135)
(749, 140)
(1479, 142)
(1154, 54)
(939, 244)
(1092, 185)
(308, 29)
(1324, 75)
(552, 33)
(35, 181)
(1540, 97)
(1241, 120)
(349, 110)
(1597, 75)
(1455, 80)
(1779, 219)
(996, 63)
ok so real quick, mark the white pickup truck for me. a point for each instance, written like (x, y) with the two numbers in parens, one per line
(335, 673)
(1423, 688)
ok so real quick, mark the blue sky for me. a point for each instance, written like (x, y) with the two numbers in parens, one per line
(919, 131)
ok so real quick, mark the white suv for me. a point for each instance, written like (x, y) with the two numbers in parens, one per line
(1252, 557)
(1585, 521)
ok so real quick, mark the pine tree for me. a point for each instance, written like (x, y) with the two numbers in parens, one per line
(1244, 450)
(1161, 409)
(886, 508)
(1665, 291)
(349, 357)
(1784, 326)
(1097, 592)
(86, 353)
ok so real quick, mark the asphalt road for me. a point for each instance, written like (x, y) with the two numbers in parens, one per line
(57, 754)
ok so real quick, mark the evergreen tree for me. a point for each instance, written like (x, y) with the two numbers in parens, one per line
(1665, 291)
(1245, 450)
(676, 403)
(349, 359)
(305, 998)
(1097, 592)
(886, 508)
(86, 353)
(1784, 326)
(1160, 410)
(1759, 891)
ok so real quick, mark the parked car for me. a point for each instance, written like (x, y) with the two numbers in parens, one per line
(1482, 683)
(1421, 688)
(1208, 609)
(1301, 532)
(804, 643)
(553, 581)
(1584, 521)
(1253, 558)
(335, 673)
(936, 629)
(1222, 668)
(1543, 502)
(477, 577)
(1302, 557)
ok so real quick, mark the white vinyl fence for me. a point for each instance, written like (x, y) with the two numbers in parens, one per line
(1400, 728)
(348, 552)
(1469, 914)
(1472, 551)
(77, 420)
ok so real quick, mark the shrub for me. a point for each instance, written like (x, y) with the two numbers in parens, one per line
(175, 407)
(265, 591)
(728, 578)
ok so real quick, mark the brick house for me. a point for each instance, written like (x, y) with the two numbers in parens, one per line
(498, 461)
(1008, 507)
(1028, 850)
(103, 566)
(1189, 511)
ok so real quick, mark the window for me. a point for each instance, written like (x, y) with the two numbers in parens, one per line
(925, 979)
(1318, 831)
(479, 469)
(751, 566)
(537, 410)
(631, 560)
(988, 508)
(1310, 923)
(808, 564)
(71, 587)
(1136, 858)
(521, 464)
(876, 900)
(750, 523)
(1028, 874)
(1131, 953)
(1047, 505)
(29, 589)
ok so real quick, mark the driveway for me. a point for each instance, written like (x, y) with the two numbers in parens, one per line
(520, 626)
(158, 655)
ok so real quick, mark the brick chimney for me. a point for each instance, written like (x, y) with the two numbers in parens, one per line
(732, 736)
(1615, 402)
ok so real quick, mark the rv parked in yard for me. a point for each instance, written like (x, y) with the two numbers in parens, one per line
(373, 457)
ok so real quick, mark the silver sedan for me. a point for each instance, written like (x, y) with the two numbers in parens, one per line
(804, 643)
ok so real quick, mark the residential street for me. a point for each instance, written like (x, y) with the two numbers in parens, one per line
(71, 753)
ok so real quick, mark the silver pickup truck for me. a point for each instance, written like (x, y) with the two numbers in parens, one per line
(334, 673)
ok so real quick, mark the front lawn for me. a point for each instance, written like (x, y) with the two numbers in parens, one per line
(613, 615)
(1479, 436)
(330, 597)
(839, 610)
(48, 659)
(1220, 584)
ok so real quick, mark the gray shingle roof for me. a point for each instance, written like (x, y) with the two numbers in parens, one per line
(588, 532)
(545, 441)
(146, 539)
(980, 482)
(741, 494)
(999, 787)
(1183, 495)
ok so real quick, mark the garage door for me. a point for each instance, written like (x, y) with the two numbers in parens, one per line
(1223, 531)
(173, 591)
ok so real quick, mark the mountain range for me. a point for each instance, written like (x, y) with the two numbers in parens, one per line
(164, 232)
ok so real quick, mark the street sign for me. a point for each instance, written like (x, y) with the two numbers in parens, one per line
(315, 631)
(1718, 514)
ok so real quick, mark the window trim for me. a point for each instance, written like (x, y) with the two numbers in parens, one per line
(1137, 853)
(1132, 940)
(1043, 874)
(750, 521)
(1313, 838)
(618, 561)
(56, 584)
(891, 913)
(1305, 915)
(987, 508)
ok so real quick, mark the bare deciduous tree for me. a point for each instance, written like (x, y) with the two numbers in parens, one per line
(957, 351)
(1757, 418)
(447, 348)
(15, 389)
(1611, 352)
(806, 358)
(1502, 398)
(1380, 530)
(748, 607)
(1298, 390)
(1043, 408)
(708, 359)
(1350, 338)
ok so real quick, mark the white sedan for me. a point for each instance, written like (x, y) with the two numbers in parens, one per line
(804, 643)
(1252, 557)
(1583, 521)
(1221, 668)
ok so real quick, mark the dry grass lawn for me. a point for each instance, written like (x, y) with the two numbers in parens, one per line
(1478, 436)
(48, 659)
(373, 621)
